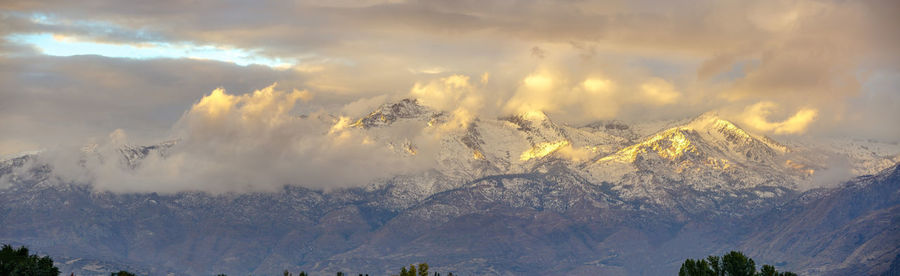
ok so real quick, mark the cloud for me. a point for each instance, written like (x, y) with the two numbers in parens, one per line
(12, 146)
(538, 52)
(836, 170)
(756, 116)
(539, 91)
(659, 92)
(51, 101)
(248, 142)
(833, 63)
(577, 97)
(455, 94)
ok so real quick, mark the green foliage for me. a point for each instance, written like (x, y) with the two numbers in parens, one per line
(122, 273)
(19, 262)
(340, 274)
(302, 273)
(696, 268)
(716, 263)
(767, 270)
(418, 270)
(734, 263)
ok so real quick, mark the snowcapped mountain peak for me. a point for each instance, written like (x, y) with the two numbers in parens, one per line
(132, 154)
(706, 143)
(534, 116)
(18, 155)
(670, 144)
(712, 124)
(388, 113)
(711, 121)
(529, 121)
(707, 153)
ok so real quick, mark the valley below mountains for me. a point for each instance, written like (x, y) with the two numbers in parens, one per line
(519, 195)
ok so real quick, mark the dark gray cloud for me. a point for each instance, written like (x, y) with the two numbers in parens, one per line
(50, 100)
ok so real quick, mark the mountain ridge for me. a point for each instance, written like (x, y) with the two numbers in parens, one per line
(497, 214)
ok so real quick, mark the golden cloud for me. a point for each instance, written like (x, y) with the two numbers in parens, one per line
(256, 142)
(756, 116)
(454, 94)
(658, 91)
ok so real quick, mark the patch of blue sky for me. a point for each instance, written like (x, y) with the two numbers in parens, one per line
(737, 71)
(58, 45)
(667, 68)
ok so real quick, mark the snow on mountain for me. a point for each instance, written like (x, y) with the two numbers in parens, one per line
(855, 156)
(705, 154)
(133, 154)
(705, 166)
(705, 159)
(522, 194)
(703, 148)
(485, 147)
(391, 112)
(706, 145)
(500, 145)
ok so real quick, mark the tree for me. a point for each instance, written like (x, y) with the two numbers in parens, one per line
(302, 273)
(716, 264)
(412, 270)
(767, 270)
(696, 268)
(423, 269)
(403, 272)
(122, 273)
(20, 262)
(734, 263)
(340, 273)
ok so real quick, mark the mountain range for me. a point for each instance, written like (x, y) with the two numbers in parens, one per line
(517, 195)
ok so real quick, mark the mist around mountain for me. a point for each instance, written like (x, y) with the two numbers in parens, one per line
(517, 195)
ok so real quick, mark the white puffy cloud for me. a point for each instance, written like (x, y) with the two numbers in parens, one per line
(249, 142)
(578, 97)
(757, 115)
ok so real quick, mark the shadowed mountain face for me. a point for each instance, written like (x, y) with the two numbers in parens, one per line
(857, 225)
(507, 198)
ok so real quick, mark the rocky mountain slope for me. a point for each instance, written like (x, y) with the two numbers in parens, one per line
(519, 195)
(849, 230)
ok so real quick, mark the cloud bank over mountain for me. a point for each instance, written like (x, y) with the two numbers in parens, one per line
(247, 142)
(818, 68)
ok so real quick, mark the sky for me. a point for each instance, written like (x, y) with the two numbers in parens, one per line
(94, 71)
